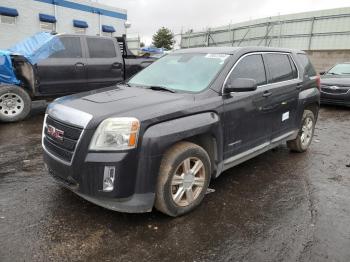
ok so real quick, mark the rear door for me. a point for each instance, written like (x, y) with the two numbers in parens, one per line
(247, 123)
(284, 86)
(64, 72)
(104, 62)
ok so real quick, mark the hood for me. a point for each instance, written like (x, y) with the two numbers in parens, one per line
(336, 80)
(121, 101)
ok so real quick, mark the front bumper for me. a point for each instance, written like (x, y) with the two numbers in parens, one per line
(335, 99)
(90, 189)
(137, 203)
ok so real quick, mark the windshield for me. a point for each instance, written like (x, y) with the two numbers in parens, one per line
(183, 72)
(340, 69)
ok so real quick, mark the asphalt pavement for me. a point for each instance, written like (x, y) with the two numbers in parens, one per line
(279, 206)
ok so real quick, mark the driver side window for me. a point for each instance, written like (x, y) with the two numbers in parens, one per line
(251, 66)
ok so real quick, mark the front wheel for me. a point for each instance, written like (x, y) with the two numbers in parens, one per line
(15, 103)
(306, 132)
(183, 179)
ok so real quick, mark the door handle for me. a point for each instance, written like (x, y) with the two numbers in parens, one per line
(299, 86)
(267, 94)
(79, 65)
(117, 66)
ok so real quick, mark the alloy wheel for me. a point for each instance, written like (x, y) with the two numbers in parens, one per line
(188, 181)
(307, 131)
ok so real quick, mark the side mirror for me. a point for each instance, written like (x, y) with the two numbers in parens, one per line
(241, 85)
(322, 73)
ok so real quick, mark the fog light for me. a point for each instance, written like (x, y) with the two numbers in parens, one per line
(108, 178)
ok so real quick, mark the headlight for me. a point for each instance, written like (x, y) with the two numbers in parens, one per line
(116, 134)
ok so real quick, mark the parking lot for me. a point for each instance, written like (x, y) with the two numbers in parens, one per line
(280, 206)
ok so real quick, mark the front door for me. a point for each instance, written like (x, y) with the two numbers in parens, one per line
(64, 72)
(247, 115)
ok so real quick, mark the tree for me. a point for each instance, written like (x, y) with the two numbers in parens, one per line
(142, 44)
(164, 38)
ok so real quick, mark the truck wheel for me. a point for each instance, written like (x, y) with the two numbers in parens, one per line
(306, 132)
(183, 179)
(15, 103)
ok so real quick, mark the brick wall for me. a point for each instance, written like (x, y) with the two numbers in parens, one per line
(325, 59)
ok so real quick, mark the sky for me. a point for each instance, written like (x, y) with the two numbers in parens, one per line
(146, 16)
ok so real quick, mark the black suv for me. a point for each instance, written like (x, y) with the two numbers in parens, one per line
(182, 121)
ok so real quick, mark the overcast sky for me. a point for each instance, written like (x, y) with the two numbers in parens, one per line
(147, 16)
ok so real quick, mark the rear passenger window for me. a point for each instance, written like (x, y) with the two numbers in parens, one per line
(279, 67)
(72, 48)
(309, 68)
(252, 67)
(101, 48)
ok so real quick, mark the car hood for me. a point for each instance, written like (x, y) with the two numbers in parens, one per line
(95, 106)
(335, 80)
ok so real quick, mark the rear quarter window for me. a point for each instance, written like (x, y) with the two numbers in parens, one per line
(101, 48)
(306, 63)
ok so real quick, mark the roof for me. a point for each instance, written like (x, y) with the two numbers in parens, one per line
(232, 50)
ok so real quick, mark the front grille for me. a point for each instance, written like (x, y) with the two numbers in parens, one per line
(65, 147)
(340, 90)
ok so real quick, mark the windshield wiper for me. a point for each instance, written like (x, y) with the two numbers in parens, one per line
(161, 88)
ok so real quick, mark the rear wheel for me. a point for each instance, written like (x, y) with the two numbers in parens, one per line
(183, 179)
(306, 132)
(15, 103)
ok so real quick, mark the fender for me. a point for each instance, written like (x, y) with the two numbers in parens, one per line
(306, 98)
(309, 96)
(158, 138)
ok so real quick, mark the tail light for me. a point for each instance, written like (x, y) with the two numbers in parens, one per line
(318, 82)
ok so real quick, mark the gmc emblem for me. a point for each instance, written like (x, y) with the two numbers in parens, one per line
(55, 133)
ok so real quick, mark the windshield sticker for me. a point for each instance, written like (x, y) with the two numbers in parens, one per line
(223, 57)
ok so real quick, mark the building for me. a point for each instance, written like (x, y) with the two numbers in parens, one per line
(22, 18)
(324, 35)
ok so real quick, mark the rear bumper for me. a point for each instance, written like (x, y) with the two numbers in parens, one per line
(335, 99)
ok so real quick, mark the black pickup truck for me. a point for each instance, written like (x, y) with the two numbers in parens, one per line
(84, 63)
(160, 138)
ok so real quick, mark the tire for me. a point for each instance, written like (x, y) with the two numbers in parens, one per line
(169, 184)
(15, 103)
(307, 128)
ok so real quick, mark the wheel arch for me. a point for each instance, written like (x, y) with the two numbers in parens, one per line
(202, 129)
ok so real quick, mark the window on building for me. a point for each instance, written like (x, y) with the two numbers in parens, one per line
(108, 30)
(72, 48)
(251, 66)
(46, 26)
(8, 15)
(81, 31)
(7, 19)
(80, 26)
(107, 34)
(101, 48)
